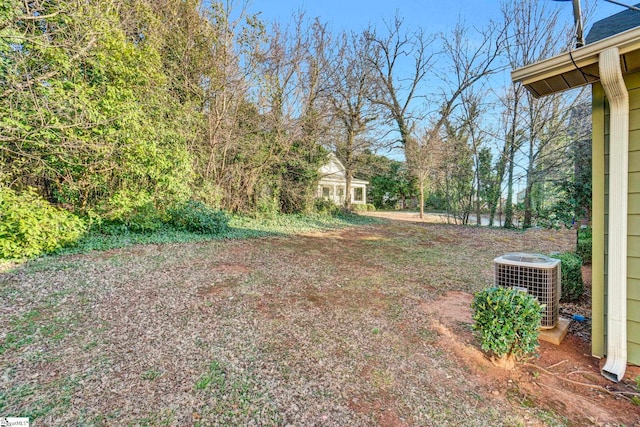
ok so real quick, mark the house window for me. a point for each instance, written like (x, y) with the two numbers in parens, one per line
(341, 192)
(358, 194)
(326, 192)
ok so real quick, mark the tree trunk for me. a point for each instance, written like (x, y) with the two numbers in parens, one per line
(526, 223)
(508, 209)
(508, 361)
(478, 222)
(348, 169)
(421, 198)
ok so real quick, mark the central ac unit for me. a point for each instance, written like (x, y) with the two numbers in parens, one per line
(538, 275)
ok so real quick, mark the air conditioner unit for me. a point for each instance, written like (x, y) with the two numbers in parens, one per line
(538, 275)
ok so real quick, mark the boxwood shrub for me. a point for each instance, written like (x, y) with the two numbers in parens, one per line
(572, 285)
(507, 323)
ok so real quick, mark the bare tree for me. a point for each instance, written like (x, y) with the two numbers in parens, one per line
(352, 88)
(472, 114)
(534, 33)
(391, 53)
(470, 58)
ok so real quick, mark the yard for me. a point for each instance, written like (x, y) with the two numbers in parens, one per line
(357, 326)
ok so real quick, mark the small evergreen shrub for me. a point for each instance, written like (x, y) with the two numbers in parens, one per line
(584, 244)
(359, 207)
(507, 323)
(197, 217)
(31, 226)
(370, 207)
(572, 285)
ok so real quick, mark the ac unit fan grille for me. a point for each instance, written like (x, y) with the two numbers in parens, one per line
(542, 283)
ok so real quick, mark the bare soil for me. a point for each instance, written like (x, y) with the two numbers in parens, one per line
(362, 326)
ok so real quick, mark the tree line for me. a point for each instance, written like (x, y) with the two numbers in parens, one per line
(111, 108)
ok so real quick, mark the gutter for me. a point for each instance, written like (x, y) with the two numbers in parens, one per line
(618, 97)
(626, 42)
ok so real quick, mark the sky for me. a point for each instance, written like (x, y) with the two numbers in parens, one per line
(432, 15)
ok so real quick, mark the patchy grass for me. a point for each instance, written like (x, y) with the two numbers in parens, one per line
(240, 227)
(326, 327)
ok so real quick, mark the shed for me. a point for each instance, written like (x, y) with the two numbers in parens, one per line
(610, 62)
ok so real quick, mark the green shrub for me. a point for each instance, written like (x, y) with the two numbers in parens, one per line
(584, 244)
(142, 219)
(197, 217)
(145, 219)
(359, 207)
(507, 322)
(572, 285)
(326, 207)
(370, 207)
(31, 226)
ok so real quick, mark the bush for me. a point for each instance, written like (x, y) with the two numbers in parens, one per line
(370, 207)
(572, 285)
(326, 207)
(31, 226)
(584, 244)
(359, 207)
(507, 322)
(145, 219)
(197, 217)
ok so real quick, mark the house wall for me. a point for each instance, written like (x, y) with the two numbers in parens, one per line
(600, 192)
(336, 192)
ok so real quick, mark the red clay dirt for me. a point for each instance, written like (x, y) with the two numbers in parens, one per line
(564, 379)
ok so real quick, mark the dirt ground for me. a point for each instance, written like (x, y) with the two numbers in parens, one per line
(362, 326)
(564, 378)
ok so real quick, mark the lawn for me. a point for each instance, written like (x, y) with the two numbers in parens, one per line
(321, 328)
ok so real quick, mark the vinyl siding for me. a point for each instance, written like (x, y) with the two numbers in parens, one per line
(633, 232)
(601, 122)
(598, 223)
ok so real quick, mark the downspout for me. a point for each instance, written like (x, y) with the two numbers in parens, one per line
(618, 97)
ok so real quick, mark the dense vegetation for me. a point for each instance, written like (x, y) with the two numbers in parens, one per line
(124, 112)
(111, 107)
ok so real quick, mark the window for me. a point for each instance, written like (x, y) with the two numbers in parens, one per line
(326, 192)
(358, 194)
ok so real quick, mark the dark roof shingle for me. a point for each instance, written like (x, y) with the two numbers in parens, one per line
(613, 25)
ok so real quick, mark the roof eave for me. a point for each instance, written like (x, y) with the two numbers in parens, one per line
(627, 41)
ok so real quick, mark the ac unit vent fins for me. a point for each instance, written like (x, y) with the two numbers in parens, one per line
(536, 274)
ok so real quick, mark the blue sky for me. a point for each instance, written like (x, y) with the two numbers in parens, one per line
(432, 15)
